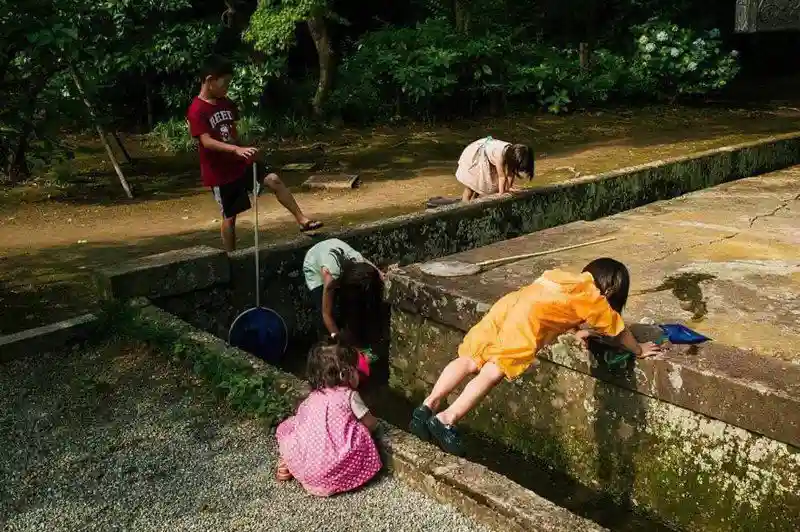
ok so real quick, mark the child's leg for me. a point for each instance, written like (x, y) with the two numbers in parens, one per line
(468, 194)
(286, 199)
(228, 232)
(455, 372)
(489, 376)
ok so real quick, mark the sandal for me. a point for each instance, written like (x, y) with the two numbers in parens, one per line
(283, 474)
(311, 225)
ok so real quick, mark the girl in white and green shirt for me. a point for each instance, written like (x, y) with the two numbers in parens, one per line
(346, 288)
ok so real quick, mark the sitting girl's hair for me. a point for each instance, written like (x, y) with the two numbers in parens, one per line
(612, 279)
(518, 159)
(358, 300)
(331, 365)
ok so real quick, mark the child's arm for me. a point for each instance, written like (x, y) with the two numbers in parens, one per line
(327, 303)
(216, 145)
(503, 183)
(598, 314)
(630, 343)
(362, 413)
(369, 421)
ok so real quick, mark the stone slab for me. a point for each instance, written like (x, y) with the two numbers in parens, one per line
(333, 181)
(753, 16)
(483, 495)
(165, 274)
(54, 336)
(725, 261)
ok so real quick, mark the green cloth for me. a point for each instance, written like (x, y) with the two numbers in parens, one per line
(321, 256)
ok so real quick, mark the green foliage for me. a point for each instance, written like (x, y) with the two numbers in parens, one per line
(404, 70)
(172, 136)
(249, 81)
(272, 25)
(671, 61)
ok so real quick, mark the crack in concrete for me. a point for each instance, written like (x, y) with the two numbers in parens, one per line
(775, 211)
(706, 243)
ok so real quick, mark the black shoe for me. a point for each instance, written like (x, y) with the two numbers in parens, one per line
(419, 422)
(446, 436)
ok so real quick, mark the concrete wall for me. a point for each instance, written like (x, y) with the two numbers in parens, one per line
(422, 236)
(688, 469)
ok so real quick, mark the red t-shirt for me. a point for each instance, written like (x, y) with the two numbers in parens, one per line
(218, 120)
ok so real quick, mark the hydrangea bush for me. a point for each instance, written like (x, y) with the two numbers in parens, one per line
(671, 61)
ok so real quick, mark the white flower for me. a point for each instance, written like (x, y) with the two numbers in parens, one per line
(649, 47)
(691, 67)
(713, 33)
(661, 36)
(643, 39)
(674, 52)
(699, 42)
(734, 53)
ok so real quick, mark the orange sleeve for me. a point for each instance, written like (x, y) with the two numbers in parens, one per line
(594, 310)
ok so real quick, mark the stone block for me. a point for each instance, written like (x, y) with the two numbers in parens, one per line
(172, 273)
(688, 469)
(476, 491)
(47, 338)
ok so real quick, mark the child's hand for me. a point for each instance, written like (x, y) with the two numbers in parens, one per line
(648, 349)
(583, 335)
(246, 151)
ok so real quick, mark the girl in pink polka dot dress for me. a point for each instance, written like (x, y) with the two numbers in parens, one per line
(327, 445)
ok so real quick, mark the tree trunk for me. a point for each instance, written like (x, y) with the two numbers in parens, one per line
(18, 169)
(93, 116)
(318, 28)
(148, 98)
(462, 15)
(128, 158)
(18, 165)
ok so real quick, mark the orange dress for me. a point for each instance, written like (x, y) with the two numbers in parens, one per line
(523, 322)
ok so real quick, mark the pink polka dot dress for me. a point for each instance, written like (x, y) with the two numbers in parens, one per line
(325, 447)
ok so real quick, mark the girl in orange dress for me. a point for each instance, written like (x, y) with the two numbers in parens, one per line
(505, 342)
(490, 166)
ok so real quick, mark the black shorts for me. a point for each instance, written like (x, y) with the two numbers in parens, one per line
(234, 197)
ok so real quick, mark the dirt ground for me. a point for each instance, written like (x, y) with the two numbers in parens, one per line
(54, 234)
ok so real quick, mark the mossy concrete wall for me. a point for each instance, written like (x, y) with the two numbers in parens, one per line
(423, 236)
(690, 470)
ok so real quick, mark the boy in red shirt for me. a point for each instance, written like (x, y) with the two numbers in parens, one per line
(224, 165)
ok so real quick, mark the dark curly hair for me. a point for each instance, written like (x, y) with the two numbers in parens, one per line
(358, 299)
(331, 365)
(612, 279)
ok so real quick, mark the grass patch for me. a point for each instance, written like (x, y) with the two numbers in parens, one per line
(259, 391)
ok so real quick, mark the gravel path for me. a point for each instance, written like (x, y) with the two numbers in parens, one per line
(114, 438)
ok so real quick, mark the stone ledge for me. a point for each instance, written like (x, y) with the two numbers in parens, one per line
(165, 274)
(425, 235)
(758, 394)
(476, 491)
(483, 495)
(47, 338)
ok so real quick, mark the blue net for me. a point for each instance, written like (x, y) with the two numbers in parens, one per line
(680, 334)
(261, 332)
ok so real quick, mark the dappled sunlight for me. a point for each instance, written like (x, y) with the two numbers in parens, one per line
(54, 237)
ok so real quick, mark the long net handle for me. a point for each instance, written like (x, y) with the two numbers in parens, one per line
(540, 253)
(255, 212)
